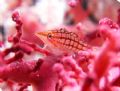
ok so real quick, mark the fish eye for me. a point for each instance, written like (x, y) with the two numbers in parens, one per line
(49, 36)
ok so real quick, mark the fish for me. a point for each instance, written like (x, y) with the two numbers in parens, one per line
(62, 40)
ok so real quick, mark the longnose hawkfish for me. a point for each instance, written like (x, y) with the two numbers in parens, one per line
(62, 40)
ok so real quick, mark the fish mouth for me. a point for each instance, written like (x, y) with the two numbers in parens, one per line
(40, 34)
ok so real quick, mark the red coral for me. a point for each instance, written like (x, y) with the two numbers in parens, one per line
(82, 71)
(16, 67)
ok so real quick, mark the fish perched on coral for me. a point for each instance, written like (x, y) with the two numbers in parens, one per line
(62, 40)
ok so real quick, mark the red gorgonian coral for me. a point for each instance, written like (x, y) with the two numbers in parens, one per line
(88, 70)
